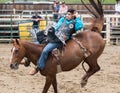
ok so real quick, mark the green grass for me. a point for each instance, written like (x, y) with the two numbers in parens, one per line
(2, 1)
(67, 1)
(79, 1)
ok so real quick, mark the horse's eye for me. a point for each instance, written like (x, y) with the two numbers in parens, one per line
(16, 51)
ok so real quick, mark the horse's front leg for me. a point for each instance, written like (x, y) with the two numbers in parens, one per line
(50, 80)
(47, 84)
(54, 84)
(93, 67)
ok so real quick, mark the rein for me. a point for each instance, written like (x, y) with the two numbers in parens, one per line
(84, 50)
(26, 60)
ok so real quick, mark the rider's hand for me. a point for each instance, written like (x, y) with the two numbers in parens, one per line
(76, 14)
(64, 36)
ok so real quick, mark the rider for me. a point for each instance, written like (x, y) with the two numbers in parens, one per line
(67, 25)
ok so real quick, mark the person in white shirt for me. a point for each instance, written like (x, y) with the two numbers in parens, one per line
(117, 7)
(63, 9)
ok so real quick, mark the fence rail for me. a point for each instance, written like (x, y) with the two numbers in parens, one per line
(9, 25)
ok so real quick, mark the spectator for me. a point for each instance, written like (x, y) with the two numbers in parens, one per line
(56, 7)
(35, 27)
(117, 7)
(63, 9)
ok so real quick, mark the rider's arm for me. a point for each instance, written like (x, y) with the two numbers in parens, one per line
(78, 24)
(61, 20)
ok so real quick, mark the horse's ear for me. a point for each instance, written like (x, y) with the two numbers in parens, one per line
(12, 41)
(17, 41)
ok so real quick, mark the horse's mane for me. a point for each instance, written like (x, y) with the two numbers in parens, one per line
(95, 8)
(31, 44)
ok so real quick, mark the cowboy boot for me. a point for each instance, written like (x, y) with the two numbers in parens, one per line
(34, 71)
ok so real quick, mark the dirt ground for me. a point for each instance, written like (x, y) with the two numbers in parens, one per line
(107, 80)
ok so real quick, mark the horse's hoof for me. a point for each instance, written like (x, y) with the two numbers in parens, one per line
(83, 83)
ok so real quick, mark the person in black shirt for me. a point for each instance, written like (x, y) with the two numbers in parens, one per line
(35, 27)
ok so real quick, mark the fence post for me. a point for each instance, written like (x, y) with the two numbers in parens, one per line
(47, 18)
(108, 30)
(11, 28)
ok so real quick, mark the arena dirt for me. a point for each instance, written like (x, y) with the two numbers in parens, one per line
(107, 80)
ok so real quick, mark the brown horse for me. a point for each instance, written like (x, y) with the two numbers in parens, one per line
(85, 46)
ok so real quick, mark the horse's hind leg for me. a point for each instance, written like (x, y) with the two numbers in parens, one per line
(93, 67)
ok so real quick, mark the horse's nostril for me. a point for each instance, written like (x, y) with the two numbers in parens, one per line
(11, 66)
(14, 65)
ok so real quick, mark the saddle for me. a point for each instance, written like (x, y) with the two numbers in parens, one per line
(57, 53)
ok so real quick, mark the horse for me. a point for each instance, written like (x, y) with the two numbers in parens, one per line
(85, 46)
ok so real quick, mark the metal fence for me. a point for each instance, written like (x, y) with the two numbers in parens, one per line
(11, 25)
(17, 26)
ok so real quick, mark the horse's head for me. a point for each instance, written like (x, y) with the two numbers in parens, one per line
(17, 54)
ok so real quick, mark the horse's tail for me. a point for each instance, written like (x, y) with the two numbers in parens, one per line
(96, 9)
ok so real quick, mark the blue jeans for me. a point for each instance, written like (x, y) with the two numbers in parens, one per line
(43, 57)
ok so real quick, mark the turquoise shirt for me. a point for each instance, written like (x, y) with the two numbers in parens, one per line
(78, 23)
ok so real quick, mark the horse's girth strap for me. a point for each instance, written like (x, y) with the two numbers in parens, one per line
(85, 52)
